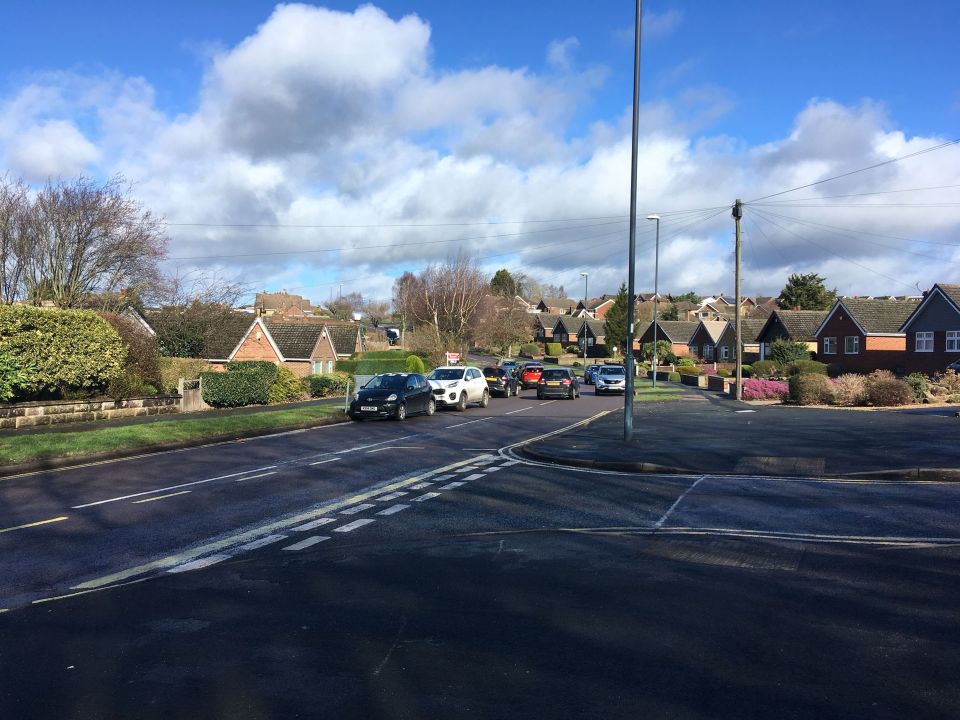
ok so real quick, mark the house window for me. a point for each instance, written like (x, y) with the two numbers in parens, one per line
(708, 352)
(851, 345)
(953, 340)
(724, 352)
(829, 346)
(329, 366)
(924, 342)
(693, 350)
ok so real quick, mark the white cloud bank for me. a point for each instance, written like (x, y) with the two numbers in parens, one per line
(342, 119)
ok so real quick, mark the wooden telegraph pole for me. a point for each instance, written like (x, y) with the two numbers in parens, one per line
(737, 215)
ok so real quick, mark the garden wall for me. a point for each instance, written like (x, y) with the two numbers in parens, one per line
(56, 412)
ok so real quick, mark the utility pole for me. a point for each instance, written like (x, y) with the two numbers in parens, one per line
(587, 314)
(632, 254)
(737, 215)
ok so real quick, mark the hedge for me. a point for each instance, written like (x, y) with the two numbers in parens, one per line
(414, 364)
(234, 389)
(371, 367)
(172, 369)
(811, 389)
(382, 355)
(689, 370)
(763, 369)
(327, 385)
(806, 367)
(530, 349)
(286, 387)
(62, 351)
(553, 348)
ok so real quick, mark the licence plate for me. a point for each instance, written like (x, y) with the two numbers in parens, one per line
(368, 408)
(493, 379)
(553, 383)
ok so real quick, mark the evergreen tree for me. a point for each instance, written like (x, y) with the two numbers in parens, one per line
(504, 284)
(615, 322)
(671, 313)
(806, 292)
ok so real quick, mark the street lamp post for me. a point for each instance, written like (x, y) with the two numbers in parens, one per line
(656, 294)
(585, 320)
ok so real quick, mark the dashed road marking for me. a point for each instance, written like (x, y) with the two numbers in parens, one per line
(508, 463)
(357, 509)
(475, 476)
(253, 477)
(328, 460)
(441, 478)
(34, 524)
(313, 524)
(308, 542)
(485, 461)
(262, 542)
(469, 422)
(350, 527)
(200, 563)
(160, 497)
(396, 447)
(393, 509)
(468, 468)
(391, 496)
(421, 485)
(493, 469)
(547, 402)
(744, 411)
(453, 485)
(512, 412)
(426, 496)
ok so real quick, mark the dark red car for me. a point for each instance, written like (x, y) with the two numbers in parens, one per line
(530, 375)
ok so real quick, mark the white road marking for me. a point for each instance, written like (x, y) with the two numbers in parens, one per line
(548, 402)
(364, 447)
(357, 508)
(172, 487)
(480, 449)
(493, 469)
(391, 496)
(426, 496)
(475, 476)
(441, 478)
(508, 463)
(469, 422)
(467, 468)
(254, 477)
(198, 564)
(160, 497)
(673, 507)
(421, 485)
(350, 527)
(309, 542)
(453, 485)
(328, 460)
(396, 447)
(262, 542)
(485, 461)
(744, 411)
(512, 412)
(393, 509)
(313, 524)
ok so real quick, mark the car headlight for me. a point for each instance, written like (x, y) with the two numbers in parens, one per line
(356, 396)
(453, 384)
(391, 397)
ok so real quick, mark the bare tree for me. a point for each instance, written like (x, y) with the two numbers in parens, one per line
(15, 241)
(449, 296)
(345, 306)
(500, 324)
(90, 238)
(376, 311)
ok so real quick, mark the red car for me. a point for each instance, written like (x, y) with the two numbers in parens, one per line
(530, 375)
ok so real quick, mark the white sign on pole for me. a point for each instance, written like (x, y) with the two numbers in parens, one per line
(453, 358)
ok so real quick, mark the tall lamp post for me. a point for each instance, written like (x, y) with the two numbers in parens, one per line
(632, 246)
(585, 320)
(656, 294)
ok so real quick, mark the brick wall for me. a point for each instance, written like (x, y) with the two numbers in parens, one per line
(256, 348)
(929, 362)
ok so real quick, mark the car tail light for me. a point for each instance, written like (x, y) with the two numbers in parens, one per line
(540, 381)
(566, 381)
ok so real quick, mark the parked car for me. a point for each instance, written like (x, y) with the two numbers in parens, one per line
(610, 379)
(500, 381)
(530, 375)
(558, 382)
(955, 366)
(393, 395)
(590, 374)
(457, 385)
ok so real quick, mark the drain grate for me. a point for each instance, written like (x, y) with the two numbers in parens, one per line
(727, 553)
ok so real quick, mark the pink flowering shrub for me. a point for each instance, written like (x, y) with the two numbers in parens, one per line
(765, 390)
(708, 370)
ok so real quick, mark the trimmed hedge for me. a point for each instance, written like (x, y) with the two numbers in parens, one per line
(530, 349)
(234, 389)
(811, 389)
(383, 355)
(415, 364)
(763, 369)
(286, 386)
(62, 351)
(327, 385)
(371, 367)
(806, 367)
(689, 370)
(553, 348)
(673, 377)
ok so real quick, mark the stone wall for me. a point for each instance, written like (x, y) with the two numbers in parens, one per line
(68, 411)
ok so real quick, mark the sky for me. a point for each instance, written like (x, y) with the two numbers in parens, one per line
(328, 148)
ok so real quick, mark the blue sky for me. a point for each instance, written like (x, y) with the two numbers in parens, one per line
(524, 103)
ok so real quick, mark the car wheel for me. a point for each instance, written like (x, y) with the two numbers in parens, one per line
(431, 407)
(484, 399)
(401, 413)
(462, 402)
(596, 391)
(539, 395)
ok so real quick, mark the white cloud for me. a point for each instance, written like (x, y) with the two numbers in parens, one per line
(559, 53)
(50, 149)
(659, 25)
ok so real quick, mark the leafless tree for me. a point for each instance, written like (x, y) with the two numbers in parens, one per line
(500, 324)
(345, 306)
(376, 311)
(91, 239)
(15, 248)
(200, 286)
(449, 296)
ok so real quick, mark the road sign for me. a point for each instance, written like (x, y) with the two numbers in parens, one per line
(453, 358)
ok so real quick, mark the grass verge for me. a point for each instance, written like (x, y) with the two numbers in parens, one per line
(48, 446)
(645, 392)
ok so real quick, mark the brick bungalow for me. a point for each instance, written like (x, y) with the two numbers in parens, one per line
(933, 330)
(750, 346)
(705, 339)
(595, 333)
(566, 329)
(677, 332)
(793, 325)
(859, 335)
(543, 325)
(557, 306)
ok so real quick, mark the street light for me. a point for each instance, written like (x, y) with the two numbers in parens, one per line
(584, 319)
(656, 294)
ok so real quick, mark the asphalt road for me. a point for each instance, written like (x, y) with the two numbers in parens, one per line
(450, 580)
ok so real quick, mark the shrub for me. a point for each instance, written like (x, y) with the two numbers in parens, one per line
(806, 367)
(746, 370)
(724, 373)
(286, 386)
(919, 383)
(327, 385)
(126, 385)
(263, 369)
(709, 370)
(172, 369)
(576, 363)
(60, 350)
(383, 355)
(415, 364)
(810, 389)
(370, 367)
(763, 369)
(674, 377)
(12, 377)
(883, 389)
(689, 370)
(553, 348)
(685, 362)
(234, 389)
(765, 390)
(850, 389)
(143, 352)
(785, 352)
(947, 383)
(530, 349)
(574, 349)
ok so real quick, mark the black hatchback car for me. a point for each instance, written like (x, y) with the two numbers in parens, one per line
(558, 382)
(500, 381)
(393, 395)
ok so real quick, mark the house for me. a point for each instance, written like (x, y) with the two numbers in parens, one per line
(864, 335)
(595, 307)
(708, 310)
(705, 339)
(566, 329)
(556, 306)
(593, 332)
(676, 332)
(933, 330)
(543, 324)
(281, 303)
(227, 334)
(793, 325)
(749, 345)
(760, 306)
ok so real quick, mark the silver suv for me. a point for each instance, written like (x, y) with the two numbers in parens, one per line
(610, 379)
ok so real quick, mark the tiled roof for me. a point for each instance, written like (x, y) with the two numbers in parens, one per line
(597, 327)
(571, 324)
(879, 316)
(295, 340)
(558, 302)
(951, 291)
(750, 328)
(801, 324)
(548, 320)
(714, 328)
(678, 331)
(227, 334)
(344, 338)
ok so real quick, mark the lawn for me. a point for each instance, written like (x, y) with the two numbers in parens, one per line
(16, 449)
(643, 391)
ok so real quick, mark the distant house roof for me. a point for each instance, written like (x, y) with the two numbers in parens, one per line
(281, 301)
(569, 324)
(801, 325)
(597, 328)
(750, 329)
(874, 317)
(713, 328)
(344, 338)
(295, 340)
(676, 331)
(554, 302)
(548, 320)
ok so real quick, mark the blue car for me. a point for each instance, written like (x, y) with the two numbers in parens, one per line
(590, 375)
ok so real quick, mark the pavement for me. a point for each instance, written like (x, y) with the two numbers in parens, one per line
(706, 432)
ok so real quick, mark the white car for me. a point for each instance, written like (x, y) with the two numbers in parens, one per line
(458, 385)
(610, 379)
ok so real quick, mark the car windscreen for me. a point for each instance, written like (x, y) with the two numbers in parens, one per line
(492, 371)
(555, 374)
(446, 374)
(387, 382)
(612, 371)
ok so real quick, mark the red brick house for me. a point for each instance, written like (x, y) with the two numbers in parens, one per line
(676, 332)
(705, 339)
(860, 335)
(543, 325)
(557, 306)
(594, 333)
(794, 325)
(933, 330)
(566, 329)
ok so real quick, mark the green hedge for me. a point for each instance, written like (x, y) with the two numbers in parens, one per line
(553, 348)
(61, 351)
(286, 387)
(234, 389)
(530, 349)
(371, 367)
(806, 367)
(383, 355)
(327, 385)
(689, 370)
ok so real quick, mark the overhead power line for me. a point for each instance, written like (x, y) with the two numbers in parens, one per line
(863, 194)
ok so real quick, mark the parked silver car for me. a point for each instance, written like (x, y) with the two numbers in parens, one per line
(610, 379)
